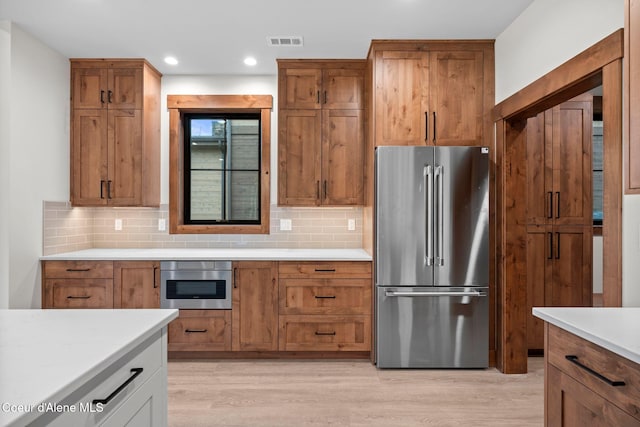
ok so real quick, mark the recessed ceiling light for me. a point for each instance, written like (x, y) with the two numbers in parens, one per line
(250, 61)
(171, 60)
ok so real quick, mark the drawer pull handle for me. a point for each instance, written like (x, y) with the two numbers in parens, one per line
(574, 359)
(325, 270)
(78, 296)
(192, 331)
(325, 297)
(78, 270)
(325, 333)
(135, 372)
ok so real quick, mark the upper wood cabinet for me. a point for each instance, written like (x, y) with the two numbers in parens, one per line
(432, 93)
(115, 133)
(321, 132)
(559, 165)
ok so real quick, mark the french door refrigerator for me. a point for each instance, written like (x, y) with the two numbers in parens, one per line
(432, 257)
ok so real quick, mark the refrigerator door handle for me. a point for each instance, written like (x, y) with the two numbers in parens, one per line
(435, 294)
(428, 241)
(440, 212)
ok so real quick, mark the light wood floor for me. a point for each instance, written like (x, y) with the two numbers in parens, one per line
(349, 393)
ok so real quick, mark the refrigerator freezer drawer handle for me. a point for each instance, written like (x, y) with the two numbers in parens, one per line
(434, 294)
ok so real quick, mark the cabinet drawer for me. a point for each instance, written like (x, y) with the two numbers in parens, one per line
(325, 296)
(130, 372)
(601, 361)
(325, 269)
(78, 293)
(201, 330)
(77, 269)
(325, 333)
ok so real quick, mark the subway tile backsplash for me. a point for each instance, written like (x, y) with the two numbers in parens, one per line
(70, 229)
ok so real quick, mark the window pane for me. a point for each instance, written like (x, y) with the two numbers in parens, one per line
(597, 172)
(245, 144)
(597, 195)
(244, 200)
(207, 195)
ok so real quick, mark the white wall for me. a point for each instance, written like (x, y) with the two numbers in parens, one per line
(544, 36)
(217, 85)
(38, 147)
(5, 84)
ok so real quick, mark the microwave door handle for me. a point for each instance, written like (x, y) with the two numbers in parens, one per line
(428, 241)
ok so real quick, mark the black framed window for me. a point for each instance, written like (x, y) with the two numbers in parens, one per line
(598, 178)
(222, 158)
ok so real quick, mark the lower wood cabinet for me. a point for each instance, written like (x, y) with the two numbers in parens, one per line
(579, 388)
(136, 284)
(255, 306)
(325, 333)
(201, 330)
(77, 284)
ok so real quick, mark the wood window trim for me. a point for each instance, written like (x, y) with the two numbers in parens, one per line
(178, 105)
(599, 64)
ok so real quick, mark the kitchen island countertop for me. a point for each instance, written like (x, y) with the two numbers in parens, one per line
(45, 355)
(615, 329)
(196, 254)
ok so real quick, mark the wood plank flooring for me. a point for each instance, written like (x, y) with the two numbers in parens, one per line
(349, 393)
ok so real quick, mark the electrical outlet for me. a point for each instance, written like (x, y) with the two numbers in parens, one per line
(285, 225)
(162, 224)
(118, 225)
(351, 224)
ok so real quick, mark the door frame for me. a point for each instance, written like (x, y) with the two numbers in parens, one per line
(600, 64)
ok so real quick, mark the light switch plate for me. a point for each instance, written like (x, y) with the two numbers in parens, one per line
(285, 225)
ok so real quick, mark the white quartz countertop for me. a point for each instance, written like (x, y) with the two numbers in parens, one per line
(47, 354)
(233, 254)
(615, 329)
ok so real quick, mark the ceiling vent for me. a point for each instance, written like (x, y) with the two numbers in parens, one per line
(284, 41)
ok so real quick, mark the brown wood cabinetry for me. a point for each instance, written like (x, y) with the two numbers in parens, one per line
(77, 284)
(321, 132)
(632, 96)
(115, 133)
(559, 210)
(201, 330)
(574, 393)
(325, 306)
(255, 306)
(136, 284)
(432, 93)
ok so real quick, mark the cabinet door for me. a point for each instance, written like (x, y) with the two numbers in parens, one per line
(572, 169)
(342, 157)
(343, 89)
(539, 273)
(401, 98)
(136, 284)
(89, 150)
(124, 185)
(125, 88)
(89, 87)
(456, 98)
(201, 330)
(570, 403)
(571, 283)
(255, 306)
(539, 171)
(299, 150)
(300, 88)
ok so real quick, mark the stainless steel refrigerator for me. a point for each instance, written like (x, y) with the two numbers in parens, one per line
(432, 257)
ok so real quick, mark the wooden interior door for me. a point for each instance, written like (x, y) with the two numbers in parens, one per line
(299, 157)
(255, 306)
(401, 100)
(456, 98)
(342, 157)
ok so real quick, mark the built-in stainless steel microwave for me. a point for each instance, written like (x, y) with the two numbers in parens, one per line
(195, 284)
